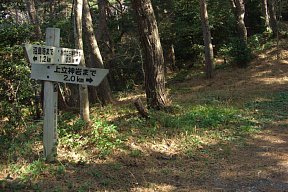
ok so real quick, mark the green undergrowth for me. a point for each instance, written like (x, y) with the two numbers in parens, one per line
(217, 121)
(203, 132)
(75, 134)
(271, 108)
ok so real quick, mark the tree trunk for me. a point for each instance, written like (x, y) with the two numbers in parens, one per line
(83, 89)
(266, 15)
(30, 4)
(239, 12)
(103, 90)
(167, 12)
(209, 66)
(106, 42)
(153, 54)
(273, 19)
(103, 27)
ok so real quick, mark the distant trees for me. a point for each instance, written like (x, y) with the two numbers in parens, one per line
(131, 61)
(31, 9)
(104, 91)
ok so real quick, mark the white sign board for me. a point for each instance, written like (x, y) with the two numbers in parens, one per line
(53, 55)
(68, 74)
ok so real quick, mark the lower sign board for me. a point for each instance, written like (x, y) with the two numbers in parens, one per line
(68, 74)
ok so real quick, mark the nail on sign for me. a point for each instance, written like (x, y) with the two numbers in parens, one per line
(68, 74)
(53, 55)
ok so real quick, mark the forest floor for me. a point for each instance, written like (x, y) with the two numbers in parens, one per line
(156, 157)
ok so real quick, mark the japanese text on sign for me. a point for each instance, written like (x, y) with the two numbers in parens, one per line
(68, 74)
(53, 55)
(75, 74)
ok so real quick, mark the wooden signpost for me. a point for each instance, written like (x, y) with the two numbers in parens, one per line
(54, 64)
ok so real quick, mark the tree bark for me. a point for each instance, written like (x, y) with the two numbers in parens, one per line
(30, 4)
(140, 108)
(273, 19)
(209, 65)
(153, 54)
(103, 33)
(103, 90)
(106, 43)
(239, 12)
(266, 15)
(83, 89)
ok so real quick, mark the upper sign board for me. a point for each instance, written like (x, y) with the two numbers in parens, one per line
(53, 55)
(68, 74)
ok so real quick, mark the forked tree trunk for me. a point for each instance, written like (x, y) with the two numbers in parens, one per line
(239, 12)
(265, 14)
(153, 54)
(83, 89)
(103, 90)
(273, 18)
(209, 65)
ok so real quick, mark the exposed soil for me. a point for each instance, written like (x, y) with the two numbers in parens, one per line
(260, 164)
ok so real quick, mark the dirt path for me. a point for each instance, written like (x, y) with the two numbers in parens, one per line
(259, 164)
(262, 165)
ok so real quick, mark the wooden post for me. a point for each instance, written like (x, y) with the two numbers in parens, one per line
(50, 104)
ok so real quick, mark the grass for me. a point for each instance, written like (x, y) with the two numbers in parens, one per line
(203, 132)
(271, 108)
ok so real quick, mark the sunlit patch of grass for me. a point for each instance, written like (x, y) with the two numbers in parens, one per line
(206, 118)
(272, 108)
(184, 75)
(99, 134)
(135, 153)
(193, 128)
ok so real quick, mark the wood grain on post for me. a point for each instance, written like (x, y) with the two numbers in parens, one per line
(50, 104)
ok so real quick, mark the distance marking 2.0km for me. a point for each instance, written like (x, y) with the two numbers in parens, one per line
(68, 74)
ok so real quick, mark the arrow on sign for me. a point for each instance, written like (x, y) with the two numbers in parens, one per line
(40, 54)
(68, 74)
(89, 80)
(34, 58)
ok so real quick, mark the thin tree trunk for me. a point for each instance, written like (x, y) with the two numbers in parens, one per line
(83, 89)
(153, 54)
(239, 12)
(266, 15)
(273, 18)
(104, 37)
(168, 47)
(30, 4)
(103, 90)
(103, 33)
(209, 66)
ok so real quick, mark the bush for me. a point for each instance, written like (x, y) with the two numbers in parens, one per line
(237, 51)
(16, 88)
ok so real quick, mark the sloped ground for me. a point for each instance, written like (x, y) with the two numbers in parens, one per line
(258, 163)
(261, 164)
